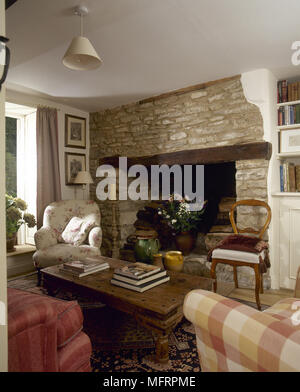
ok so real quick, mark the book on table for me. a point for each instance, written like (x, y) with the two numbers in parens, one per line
(137, 270)
(78, 274)
(143, 287)
(138, 281)
(79, 268)
(86, 265)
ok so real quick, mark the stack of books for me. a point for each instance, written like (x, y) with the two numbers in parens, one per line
(139, 277)
(83, 268)
(289, 177)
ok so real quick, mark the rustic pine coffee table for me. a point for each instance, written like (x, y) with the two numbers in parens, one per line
(158, 309)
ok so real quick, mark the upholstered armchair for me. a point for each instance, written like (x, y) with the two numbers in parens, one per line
(55, 245)
(235, 337)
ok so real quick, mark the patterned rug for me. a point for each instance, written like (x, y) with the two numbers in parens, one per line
(119, 343)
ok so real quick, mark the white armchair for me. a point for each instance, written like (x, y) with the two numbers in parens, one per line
(51, 247)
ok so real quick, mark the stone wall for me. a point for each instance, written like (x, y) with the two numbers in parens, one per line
(214, 116)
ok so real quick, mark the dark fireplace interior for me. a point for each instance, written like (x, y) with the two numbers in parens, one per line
(219, 182)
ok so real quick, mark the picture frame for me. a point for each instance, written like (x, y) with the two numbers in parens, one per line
(289, 140)
(75, 131)
(74, 163)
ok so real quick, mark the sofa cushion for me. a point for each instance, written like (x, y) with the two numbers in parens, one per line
(76, 231)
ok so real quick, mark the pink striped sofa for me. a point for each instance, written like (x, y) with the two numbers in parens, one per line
(45, 334)
(235, 337)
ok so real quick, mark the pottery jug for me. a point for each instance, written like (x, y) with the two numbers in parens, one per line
(174, 261)
(145, 248)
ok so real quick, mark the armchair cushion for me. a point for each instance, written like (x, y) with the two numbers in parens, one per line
(62, 253)
(76, 231)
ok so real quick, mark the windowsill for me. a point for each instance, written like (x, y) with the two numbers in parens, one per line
(22, 249)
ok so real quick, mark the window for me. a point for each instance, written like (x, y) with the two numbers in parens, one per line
(21, 164)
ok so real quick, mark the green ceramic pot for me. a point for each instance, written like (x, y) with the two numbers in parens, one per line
(145, 248)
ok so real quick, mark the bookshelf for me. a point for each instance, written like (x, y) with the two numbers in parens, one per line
(288, 108)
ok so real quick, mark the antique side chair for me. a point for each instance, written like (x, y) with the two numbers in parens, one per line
(244, 259)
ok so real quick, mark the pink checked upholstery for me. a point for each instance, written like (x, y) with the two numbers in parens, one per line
(235, 337)
(45, 334)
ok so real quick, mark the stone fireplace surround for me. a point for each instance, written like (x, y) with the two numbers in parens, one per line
(214, 115)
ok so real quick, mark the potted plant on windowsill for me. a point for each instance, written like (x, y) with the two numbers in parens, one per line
(183, 220)
(15, 218)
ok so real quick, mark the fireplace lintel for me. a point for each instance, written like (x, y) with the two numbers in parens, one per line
(237, 152)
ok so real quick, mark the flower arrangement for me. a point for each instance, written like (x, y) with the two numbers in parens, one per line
(179, 216)
(16, 215)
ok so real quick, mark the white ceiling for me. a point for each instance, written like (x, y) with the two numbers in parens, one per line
(148, 46)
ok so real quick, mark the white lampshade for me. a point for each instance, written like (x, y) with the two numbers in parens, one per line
(81, 55)
(83, 177)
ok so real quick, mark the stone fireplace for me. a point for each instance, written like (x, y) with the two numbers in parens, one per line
(211, 124)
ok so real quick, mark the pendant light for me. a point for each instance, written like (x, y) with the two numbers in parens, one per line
(81, 55)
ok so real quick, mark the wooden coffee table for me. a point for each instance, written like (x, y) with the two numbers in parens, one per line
(158, 309)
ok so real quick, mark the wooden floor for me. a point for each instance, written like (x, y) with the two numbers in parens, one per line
(270, 297)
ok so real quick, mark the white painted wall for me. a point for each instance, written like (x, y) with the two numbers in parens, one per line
(32, 100)
(260, 88)
(3, 283)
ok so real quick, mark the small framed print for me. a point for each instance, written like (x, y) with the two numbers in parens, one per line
(289, 140)
(75, 131)
(74, 163)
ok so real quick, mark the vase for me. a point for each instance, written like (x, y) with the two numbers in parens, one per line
(174, 261)
(11, 242)
(145, 248)
(185, 242)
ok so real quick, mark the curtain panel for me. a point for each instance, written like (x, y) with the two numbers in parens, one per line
(48, 174)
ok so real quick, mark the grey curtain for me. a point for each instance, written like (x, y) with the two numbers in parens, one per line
(48, 175)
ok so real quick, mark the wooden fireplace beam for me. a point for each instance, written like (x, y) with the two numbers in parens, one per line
(238, 152)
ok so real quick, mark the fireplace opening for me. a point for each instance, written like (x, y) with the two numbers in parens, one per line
(220, 194)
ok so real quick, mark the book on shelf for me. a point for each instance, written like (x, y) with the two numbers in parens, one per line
(289, 115)
(297, 173)
(139, 282)
(288, 181)
(137, 270)
(288, 91)
(84, 265)
(77, 274)
(143, 287)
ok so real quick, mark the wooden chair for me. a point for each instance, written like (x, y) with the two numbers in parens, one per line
(243, 259)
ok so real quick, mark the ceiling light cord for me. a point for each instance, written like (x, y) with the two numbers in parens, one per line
(81, 25)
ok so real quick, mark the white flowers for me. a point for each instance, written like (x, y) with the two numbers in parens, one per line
(173, 221)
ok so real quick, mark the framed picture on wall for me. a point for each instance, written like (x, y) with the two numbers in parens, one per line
(289, 140)
(75, 131)
(74, 163)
